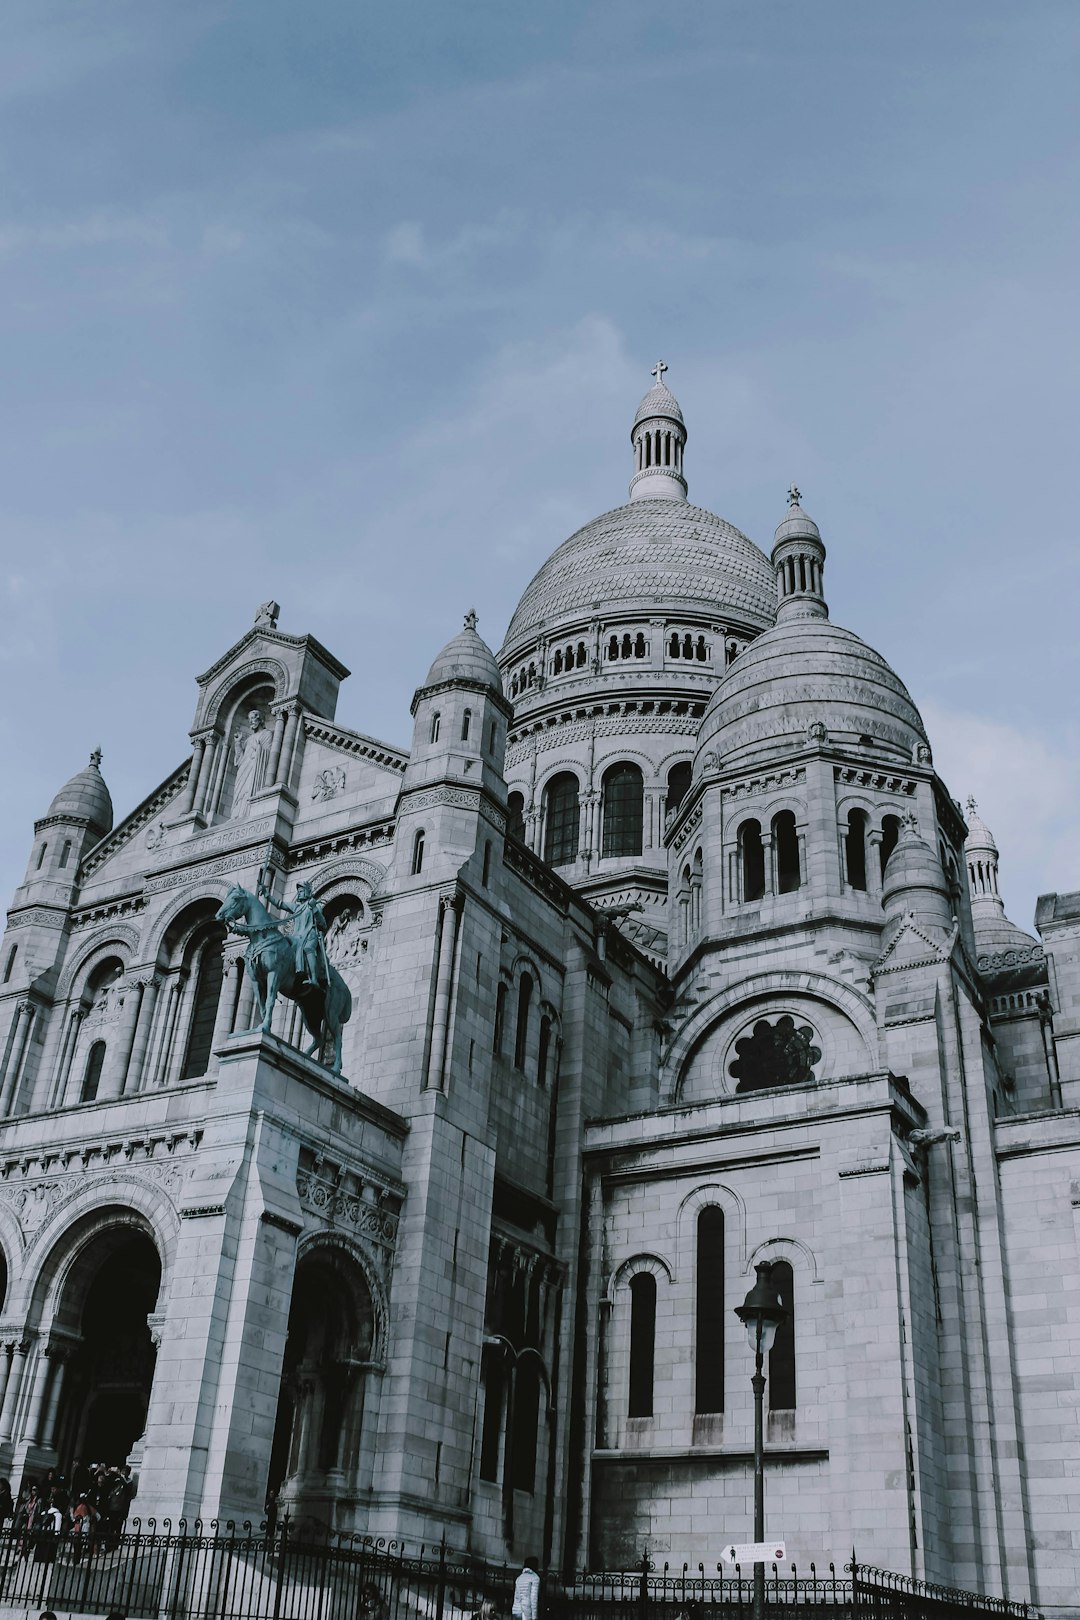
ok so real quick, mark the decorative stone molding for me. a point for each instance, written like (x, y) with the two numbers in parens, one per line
(139, 818)
(37, 917)
(35, 1202)
(271, 667)
(880, 781)
(377, 835)
(996, 960)
(687, 830)
(243, 859)
(770, 782)
(351, 742)
(128, 905)
(117, 934)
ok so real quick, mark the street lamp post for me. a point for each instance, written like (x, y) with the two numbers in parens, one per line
(761, 1313)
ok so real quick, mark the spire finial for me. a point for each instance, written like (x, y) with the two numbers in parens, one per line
(971, 805)
(794, 495)
(95, 758)
(658, 372)
(472, 618)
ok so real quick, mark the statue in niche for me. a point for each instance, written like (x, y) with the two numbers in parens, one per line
(775, 1055)
(344, 945)
(251, 754)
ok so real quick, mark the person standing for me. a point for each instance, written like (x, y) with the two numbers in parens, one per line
(526, 1604)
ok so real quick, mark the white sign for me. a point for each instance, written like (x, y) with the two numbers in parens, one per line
(755, 1552)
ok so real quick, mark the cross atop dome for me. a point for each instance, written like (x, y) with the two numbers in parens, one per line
(472, 619)
(794, 495)
(658, 372)
(95, 757)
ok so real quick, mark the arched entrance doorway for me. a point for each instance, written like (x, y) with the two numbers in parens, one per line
(329, 1351)
(101, 1319)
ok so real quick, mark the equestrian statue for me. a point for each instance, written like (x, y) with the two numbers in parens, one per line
(293, 965)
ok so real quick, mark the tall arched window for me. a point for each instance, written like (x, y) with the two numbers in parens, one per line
(65, 853)
(494, 1393)
(526, 1425)
(418, 853)
(890, 832)
(466, 725)
(782, 1354)
(92, 1073)
(642, 1343)
(622, 802)
(9, 965)
(751, 860)
(786, 852)
(561, 820)
(678, 781)
(204, 1011)
(501, 995)
(709, 1348)
(855, 849)
(521, 1031)
(543, 1051)
(436, 726)
(515, 815)
(41, 856)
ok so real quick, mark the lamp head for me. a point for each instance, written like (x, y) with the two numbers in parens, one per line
(761, 1312)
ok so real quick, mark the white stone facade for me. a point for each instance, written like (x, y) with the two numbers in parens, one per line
(483, 1284)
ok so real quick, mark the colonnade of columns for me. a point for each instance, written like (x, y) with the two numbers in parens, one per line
(32, 1378)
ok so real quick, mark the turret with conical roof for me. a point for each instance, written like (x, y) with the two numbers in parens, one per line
(80, 814)
(659, 439)
(798, 556)
(993, 930)
(914, 882)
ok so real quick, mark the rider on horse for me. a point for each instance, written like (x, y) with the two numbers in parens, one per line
(308, 929)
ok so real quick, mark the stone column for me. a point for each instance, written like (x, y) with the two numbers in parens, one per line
(206, 760)
(770, 862)
(181, 1029)
(57, 1357)
(112, 1081)
(42, 1368)
(13, 1389)
(223, 1019)
(133, 1074)
(219, 756)
(450, 906)
(63, 1079)
(873, 862)
(197, 752)
(5, 1370)
(274, 762)
(245, 1006)
(288, 747)
(24, 1016)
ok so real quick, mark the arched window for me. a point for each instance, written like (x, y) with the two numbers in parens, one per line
(622, 802)
(855, 849)
(515, 815)
(688, 646)
(678, 781)
(466, 725)
(65, 853)
(521, 1031)
(673, 646)
(9, 965)
(751, 860)
(436, 726)
(92, 1073)
(582, 655)
(485, 875)
(494, 1393)
(782, 1354)
(639, 645)
(890, 832)
(709, 1348)
(556, 662)
(642, 1343)
(526, 1424)
(418, 853)
(731, 652)
(701, 651)
(41, 856)
(627, 646)
(204, 1010)
(501, 995)
(561, 819)
(613, 647)
(786, 852)
(543, 1051)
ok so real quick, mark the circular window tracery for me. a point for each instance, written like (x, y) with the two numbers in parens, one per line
(775, 1054)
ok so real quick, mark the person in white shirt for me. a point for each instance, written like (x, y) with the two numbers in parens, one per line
(526, 1604)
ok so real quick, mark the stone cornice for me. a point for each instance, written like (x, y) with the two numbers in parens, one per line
(354, 743)
(280, 639)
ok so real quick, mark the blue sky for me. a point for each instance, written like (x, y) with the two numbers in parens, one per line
(352, 305)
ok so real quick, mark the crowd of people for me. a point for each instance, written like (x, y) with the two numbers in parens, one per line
(88, 1507)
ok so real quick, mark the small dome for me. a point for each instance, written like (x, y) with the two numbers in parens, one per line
(86, 798)
(979, 837)
(807, 677)
(466, 658)
(912, 866)
(659, 401)
(797, 525)
(994, 932)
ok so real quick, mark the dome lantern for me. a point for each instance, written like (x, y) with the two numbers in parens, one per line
(798, 557)
(659, 439)
(994, 932)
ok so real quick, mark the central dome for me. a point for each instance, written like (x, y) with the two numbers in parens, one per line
(649, 554)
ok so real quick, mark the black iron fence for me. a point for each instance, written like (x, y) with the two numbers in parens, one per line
(239, 1572)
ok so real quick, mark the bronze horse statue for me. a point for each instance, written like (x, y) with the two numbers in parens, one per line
(270, 960)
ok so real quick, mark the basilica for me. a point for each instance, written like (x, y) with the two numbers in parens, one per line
(664, 951)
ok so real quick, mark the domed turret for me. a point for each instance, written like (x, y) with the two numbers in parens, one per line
(467, 657)
(85, 798)
(993, 930)
(659, 439)
(806, 677)
(914, 882)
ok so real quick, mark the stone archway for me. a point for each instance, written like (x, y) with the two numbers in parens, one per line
(315, 1458)
(101, 1326)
